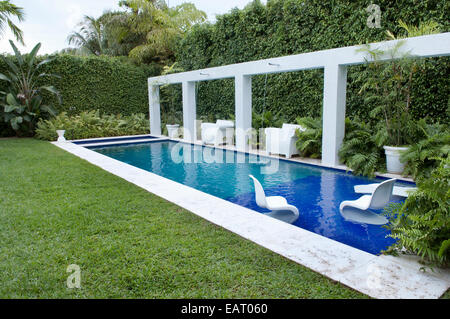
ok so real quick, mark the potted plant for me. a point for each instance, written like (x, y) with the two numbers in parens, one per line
(173, 130)
(389, 86)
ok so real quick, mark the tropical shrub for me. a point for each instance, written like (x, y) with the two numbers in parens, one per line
(359, 150)
(422, 224)
(420, 157)
(266, 119)
(309, 142)
(23, 101)
(91, 124)
(388, 86)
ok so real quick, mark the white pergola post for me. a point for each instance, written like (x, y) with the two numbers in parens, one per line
(243, 110)
(189, 111)
(334, 99)
(154, 109)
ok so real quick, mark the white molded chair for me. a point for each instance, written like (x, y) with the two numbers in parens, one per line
(215, 133)
(277, 204)
(359, 210)
(397, 190)
(282, 140)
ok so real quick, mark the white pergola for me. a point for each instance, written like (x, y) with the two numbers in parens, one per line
(333, 61)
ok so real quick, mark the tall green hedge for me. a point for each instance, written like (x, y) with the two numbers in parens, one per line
(98, 83)
(286, 27)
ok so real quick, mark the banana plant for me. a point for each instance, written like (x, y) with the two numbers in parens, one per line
(23, 104)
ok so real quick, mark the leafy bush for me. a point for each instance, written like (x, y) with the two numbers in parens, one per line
(422, 224)
(309, 142)
(92, 124)
(266, 119)
(420, 158)
(23, 102)
(359, 150)
(388, 86)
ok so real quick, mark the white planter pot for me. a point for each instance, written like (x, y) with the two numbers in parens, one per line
(173, 130)
(393, 163)
(61, 137)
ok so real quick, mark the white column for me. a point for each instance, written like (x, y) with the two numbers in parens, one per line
(189, 111)
(154, 109)
(334, 99)
(243, 104)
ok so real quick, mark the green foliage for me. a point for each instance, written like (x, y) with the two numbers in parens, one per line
(286, 27)
(388, 86)
(92, 124)
(8, 10)
(170, 99)
(422, 223)
(104, 83)
(23, 100)
(420, 158)
(309, 142)
(161, 26)
(359, 150)
(266, 119)
(91, 37)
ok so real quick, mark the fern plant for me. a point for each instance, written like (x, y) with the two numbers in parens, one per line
(420, 158)
(359, 150)
(422, 224)
(309, 142)
(92, 124)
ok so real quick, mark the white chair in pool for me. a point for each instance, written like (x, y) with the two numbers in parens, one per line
(216, 133)
(359, 210)
(282, 140)
(280, 209)
(397, 191)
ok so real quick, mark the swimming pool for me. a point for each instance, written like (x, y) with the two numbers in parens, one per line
(315, 191)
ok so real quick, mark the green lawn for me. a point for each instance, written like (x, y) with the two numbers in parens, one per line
(56, 210)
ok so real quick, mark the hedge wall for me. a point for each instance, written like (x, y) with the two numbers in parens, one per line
(286, 27)
(98, 83)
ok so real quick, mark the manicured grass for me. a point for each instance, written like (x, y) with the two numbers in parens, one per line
(56, 210)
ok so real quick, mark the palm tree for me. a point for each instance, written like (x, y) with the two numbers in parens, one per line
(8, 10)
(119, 34)
(90, 36)
(162, 26)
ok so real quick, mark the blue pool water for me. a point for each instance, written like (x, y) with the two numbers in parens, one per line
(315, 191)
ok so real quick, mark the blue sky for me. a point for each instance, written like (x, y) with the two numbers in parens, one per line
(51, 21)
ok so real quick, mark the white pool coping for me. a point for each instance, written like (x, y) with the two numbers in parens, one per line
(377, 276)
